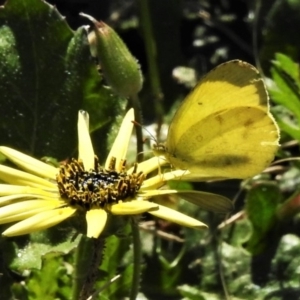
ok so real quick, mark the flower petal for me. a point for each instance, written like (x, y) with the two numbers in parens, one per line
(5, 200)
(177, 217)
(150, 165)
(29, 163)
(14, 176)
(22, 210)
(85, 147)
(120, 146)
(158, 180)
(96, 220)
(40, 221)
(133, 207)
(10, 189)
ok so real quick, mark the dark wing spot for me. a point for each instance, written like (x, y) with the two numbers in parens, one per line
(223, 161)
(220, 119)
(249, 122)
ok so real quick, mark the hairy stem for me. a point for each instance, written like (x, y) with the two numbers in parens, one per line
(137, 255)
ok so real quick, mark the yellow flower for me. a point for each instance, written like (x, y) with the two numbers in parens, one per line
(42, 196)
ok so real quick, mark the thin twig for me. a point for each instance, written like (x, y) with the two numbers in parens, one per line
(108, 283)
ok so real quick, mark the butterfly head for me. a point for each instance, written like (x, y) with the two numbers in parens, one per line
(159, 149)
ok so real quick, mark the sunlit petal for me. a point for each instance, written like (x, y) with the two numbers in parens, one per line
(177, 217)
(158, 180)
(120, 146)
(133, 207)
(40, 221)
(96, 220)
(150, 164)
(5, 200)
(29, 163)
(153, 193)
(10, 189)
(14, 176)
(85, 147)
(22, 210)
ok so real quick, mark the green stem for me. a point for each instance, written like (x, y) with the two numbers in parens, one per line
(88, 257)
(150, 45)
(217, 244)
(138, 129)
(91, 277)
(137, 255)
(82, 259)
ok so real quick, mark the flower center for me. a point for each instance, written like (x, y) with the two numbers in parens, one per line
(97, 187)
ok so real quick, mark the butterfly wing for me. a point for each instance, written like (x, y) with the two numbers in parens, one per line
(207, 201)
(223, 129)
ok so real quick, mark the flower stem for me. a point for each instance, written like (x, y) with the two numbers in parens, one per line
(96, 260)
(150, 45)
(81, 261)
(88, 257)
(137, 255)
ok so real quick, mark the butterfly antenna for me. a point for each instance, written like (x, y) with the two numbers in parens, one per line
(152, 138)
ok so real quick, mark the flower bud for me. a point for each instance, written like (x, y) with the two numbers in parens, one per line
(120, 68)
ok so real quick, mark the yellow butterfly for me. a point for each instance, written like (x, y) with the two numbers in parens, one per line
(223, 129)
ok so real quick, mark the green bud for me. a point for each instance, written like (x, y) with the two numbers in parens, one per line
(120, 68)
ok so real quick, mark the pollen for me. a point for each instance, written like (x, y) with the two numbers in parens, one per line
(98, 187)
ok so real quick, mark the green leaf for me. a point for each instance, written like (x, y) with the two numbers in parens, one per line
(47, 75)
(52, 281)
(40, 244)
(191, 293)
(168, 267)
(286, 92)
(287, 65)
(36, 83)
(115, 262)
(261, 207)
(289, 128)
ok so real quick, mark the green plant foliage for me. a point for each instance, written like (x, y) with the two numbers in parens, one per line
(46, 77)
(286, 93)
(30, 255)
(192, 293)
(261, 206)
(24, 255)
(115, 262)
(52, 281)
